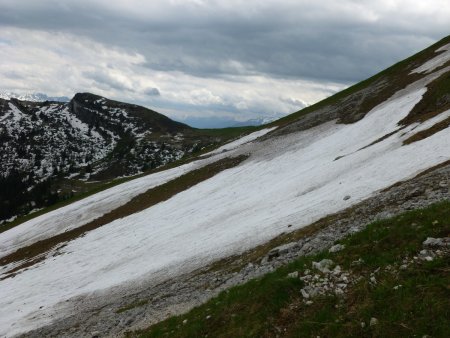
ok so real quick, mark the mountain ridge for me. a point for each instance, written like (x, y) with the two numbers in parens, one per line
(288, 190)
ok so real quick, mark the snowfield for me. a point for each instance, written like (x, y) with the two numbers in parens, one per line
(289, 180)
(86, 210)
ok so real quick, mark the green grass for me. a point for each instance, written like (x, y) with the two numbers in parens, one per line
(272, 306)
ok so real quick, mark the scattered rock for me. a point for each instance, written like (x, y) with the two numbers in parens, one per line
(273, 253)
(358, 262)
(304, 293)
(282, 249)
(323, 266)
(373, 321)
(416, 192)
(293, 274)
(338, 292)
(347, 197)
(337, 270)
(336, 248)
(185, 322)
(95, 334)
(431, 242)
(363, 325)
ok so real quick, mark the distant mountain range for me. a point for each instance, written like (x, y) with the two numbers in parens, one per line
(226, 122)
(33, 97)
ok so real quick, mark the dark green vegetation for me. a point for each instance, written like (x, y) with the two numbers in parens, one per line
(273, 306)
(14, 194)
(33, 253)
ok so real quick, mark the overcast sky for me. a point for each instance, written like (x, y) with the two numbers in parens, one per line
(196, 58)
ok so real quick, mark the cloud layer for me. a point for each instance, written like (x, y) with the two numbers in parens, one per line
(238, 59)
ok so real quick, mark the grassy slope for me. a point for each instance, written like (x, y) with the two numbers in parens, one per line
(272, 305)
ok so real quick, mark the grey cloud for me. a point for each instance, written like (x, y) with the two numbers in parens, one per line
(319, 41)
(13, 74)
(105, 80)
(152, 92)
(299, 104)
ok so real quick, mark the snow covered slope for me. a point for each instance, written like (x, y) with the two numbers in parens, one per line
(287, 182)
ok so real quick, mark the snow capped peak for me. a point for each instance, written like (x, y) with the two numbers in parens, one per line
(33, 97)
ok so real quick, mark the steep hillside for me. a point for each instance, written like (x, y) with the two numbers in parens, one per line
(386, 281)
(48, 149)
(158, 245)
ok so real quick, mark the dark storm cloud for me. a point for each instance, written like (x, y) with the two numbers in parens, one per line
(342, 43)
